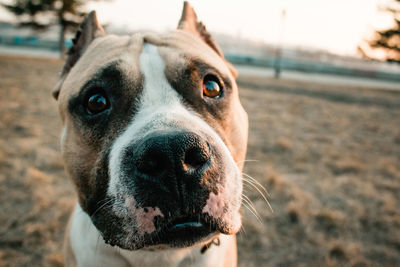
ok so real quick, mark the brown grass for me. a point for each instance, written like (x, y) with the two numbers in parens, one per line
(329, 157)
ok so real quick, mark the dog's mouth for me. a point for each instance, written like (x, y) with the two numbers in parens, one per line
(178, 233)
(185, 231)
(175, 231)
(183, 223)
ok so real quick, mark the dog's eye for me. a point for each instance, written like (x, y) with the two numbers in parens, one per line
(97, 103)
(211, 87)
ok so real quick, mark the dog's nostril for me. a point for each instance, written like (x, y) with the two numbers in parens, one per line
(151, 164)
(196, 157)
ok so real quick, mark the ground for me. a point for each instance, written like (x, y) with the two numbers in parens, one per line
(329, 157)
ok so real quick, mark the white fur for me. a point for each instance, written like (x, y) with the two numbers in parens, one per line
(90, 249)
(87, 244)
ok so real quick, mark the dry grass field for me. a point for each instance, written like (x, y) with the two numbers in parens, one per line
(329, 157)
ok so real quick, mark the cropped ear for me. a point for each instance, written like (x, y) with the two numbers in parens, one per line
(90, 29)
(189, 22)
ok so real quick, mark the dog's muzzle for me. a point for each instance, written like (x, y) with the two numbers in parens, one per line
(175, 189)
(174, 171)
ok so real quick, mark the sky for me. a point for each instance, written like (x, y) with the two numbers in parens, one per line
(334, 25)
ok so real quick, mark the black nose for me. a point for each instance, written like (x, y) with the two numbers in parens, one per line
(174, 154)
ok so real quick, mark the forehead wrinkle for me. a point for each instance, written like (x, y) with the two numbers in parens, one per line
(129, 58)
(174, 59)
(181, 50)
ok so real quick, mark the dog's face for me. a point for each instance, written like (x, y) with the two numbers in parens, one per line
(154, 135)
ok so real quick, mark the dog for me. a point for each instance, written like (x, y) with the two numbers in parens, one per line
(154, 139)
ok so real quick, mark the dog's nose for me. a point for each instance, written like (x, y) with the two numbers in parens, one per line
(172, 154)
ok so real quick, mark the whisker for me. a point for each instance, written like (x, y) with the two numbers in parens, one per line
(259, 191)
(255, 213)
(102, 206)
(242, 230)
(97, 244)
(249, 209)
(257, 182)
(244, 197)
(250, 203)
(246, 160)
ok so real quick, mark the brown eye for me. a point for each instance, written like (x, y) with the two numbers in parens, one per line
(211, 87)
(97, 103)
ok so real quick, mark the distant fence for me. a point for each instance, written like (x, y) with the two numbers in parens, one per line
(31, 41)
(311, 67)
(269, 62)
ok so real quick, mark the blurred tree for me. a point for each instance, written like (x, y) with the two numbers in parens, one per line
(387, 40)
(41, 14)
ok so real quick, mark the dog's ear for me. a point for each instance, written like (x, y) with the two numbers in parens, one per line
(189, 22)
(90, 29)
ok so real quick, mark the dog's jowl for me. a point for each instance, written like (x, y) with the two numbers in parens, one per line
(154, 139)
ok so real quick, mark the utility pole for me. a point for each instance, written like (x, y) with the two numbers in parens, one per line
(278, 53)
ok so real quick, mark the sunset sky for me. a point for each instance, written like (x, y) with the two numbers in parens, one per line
(334, 25)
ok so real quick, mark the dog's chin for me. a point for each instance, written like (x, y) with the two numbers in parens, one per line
(177, 234)
(183, 235)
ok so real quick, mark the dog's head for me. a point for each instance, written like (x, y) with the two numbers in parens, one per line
(154, 136)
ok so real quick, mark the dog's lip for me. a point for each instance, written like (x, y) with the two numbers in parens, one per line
(178, 226)
(185, 222)
(186, 227)
(185, 231)
(177, 233)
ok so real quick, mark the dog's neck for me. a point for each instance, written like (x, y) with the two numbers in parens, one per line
(86, 240)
